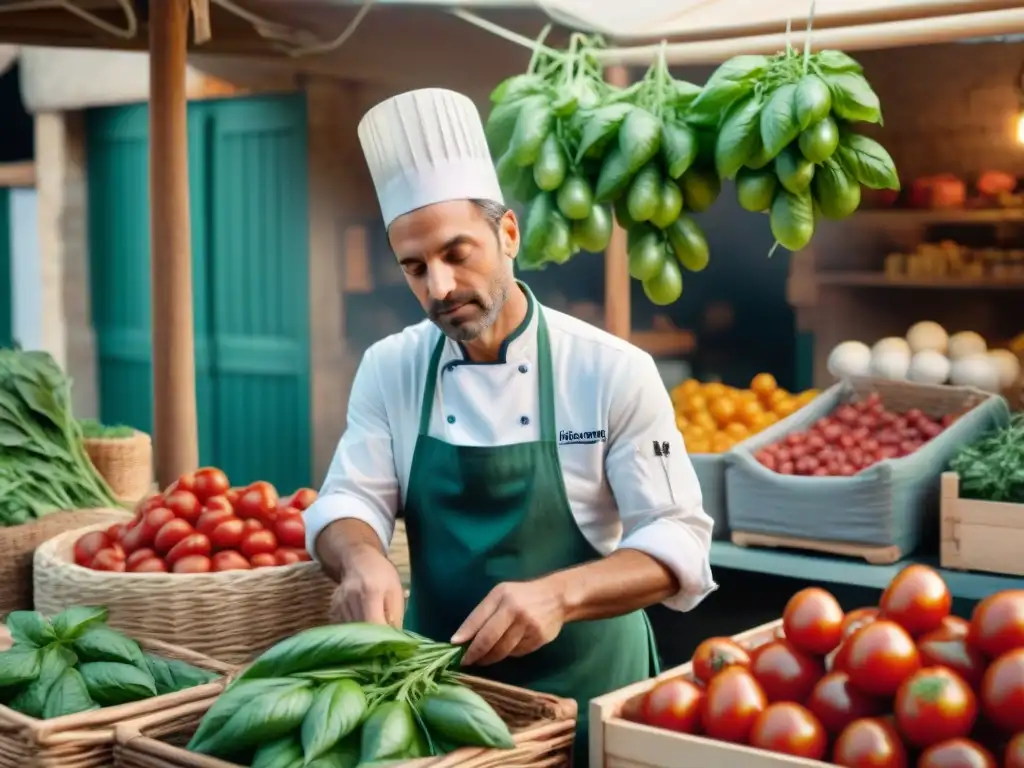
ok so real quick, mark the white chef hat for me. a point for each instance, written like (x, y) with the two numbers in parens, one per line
(425, 147)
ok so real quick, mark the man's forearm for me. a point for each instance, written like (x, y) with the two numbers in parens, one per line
(342, 543)
(620, 583)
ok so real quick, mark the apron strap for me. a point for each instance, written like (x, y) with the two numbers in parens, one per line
(545, 376)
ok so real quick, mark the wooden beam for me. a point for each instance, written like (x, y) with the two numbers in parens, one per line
(617, 318)
(18, 174)
(175, 428)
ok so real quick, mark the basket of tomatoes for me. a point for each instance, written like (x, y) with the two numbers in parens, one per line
(220, 570)
(857, 466)
(901, 684)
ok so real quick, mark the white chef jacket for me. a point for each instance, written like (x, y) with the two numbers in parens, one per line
(627, 476)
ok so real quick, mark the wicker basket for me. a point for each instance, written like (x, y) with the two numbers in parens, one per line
(543, 727)
(18, 542)
(230, 616)
(126, 464)
(86, 740)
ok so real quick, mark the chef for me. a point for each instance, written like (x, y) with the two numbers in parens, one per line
(547, 494)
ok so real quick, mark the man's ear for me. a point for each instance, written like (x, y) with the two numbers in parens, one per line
(508, 234)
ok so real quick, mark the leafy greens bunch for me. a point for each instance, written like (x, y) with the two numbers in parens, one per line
(992, 468)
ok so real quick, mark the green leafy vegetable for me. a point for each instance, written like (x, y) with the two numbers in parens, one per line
(100, 643)
(229, 703)
(110, 683)
(992, 467)
(54, 659)
(19, 666)
(388, 731)
(70, 624)
(457, 714)
(271, 715)
(171, 675)
(337, 710)
(30, 628)
(68, 696)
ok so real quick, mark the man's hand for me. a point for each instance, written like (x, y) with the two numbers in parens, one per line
(515, 619)
(370, 590)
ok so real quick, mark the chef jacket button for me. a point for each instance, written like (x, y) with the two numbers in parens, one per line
(524, 420)
(451, 419)
(523, 368)
(450, 367)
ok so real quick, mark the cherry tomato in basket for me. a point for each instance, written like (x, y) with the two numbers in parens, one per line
(184, 505)
(303, 499)
(715, 655)
(263, 560)
(302, 554)
(170, 534)
(813, 621)
(108, 559)
(148, 565)
(230, 560)
(186, 482)
(997, 624)
(217, 503)
(857, 618)
(138, 556)
(1013, 757)
(675, 705)
(870, 743)
(944, 648)
(917, 599)
(228, 534)
(88, 545)
(286, 557)
(116, 531)
(837, 703)
(957, 753)
(210, 482)
(785, 672)
(933, 705)
(148, 503)
(258, 501)
(879, 657)
(193, 544)
(1002, 691)
(152, 522)
(233, 495)
(252, 524)
(210, 519)
(290, 531)
(193, 564)
(956, 626)
(258, 543)
(790, 729)
(734, 700)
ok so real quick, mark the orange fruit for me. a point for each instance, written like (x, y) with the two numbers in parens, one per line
(689, 387)
(770, 418)
(698, 446)
(723, 409)
(737, 431)
(747, 395)
(705, 420)
(694, 404)
(748, 412)
(806, 396)
(714, 390)
(721, 442)
(785, 407)
(763, 384)
(775, 396)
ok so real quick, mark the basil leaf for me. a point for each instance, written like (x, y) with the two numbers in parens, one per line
(853, 99)
(71, 623)
(99, 643)
(388, 732)
(282, 753)
(19, 666)
(738, 138)
(68, 696)
(110, 683)
(679, 146)
(345, 755)
(868, 161)
(516, 87)
(54, 660)
(30, 628)
(171, 675)
(837, 61)
(271, 715)
(600, 126)
(337, 710)
(459, 715)
(727, 84)
(779, 125)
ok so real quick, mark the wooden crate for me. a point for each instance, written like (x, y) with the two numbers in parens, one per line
(616, 742)
(979, 535)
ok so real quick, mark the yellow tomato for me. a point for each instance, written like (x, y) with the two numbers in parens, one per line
(705, 420)
(737, 431)
(785, 407)
(689, 387)
(694, 404)
(748, 412)
(681, 423)
(763, 384)
(747, 396)
(693, 432)
(698, 446)
(775, 396)
(806, 396)
(721, 442)
(770, 418)
(723, 409)
(714, 390)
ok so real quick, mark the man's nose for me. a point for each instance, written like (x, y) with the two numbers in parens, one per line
(440, 281)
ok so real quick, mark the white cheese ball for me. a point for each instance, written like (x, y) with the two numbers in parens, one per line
(892, 344)
(848, 359)
(1008, 366)
(975, 371)
(929, 367)
(966, 344)
(927, 336)
(890, 363)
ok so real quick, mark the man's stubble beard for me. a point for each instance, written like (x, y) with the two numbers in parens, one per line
(471, 329)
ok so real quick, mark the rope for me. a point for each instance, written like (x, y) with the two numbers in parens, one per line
(129, 31)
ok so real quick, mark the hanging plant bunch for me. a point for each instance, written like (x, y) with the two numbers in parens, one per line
(786, 135)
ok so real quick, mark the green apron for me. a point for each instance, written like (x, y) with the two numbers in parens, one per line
(480, 516)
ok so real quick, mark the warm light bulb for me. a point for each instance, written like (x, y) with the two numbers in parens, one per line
(1020, 128)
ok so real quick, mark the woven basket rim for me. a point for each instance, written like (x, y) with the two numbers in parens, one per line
(136, 435)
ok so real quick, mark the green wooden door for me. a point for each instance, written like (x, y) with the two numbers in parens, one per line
(6, 296)
(249, 222)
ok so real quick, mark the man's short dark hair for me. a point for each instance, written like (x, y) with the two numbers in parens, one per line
(492, 211)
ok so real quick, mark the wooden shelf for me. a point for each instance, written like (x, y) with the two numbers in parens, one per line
(918, 218)
(881, 280)
(838, 570)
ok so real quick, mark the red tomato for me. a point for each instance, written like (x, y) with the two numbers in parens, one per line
(152, 522)
(813, 621)
(288, 513)
(956, 626)
(193, 564)
(148, 503)
(879, 657)
(148, 565)
(116, 546)
(108, 559)
(252, 524)
(1002, 691)
(184, 505)
(138, 556)
(116, 531)
(228, 534)
(170, 534)
(88, 545)
(233, 495)
(716, 654)
(218, 503)
(675, 705)
(997, 624)
(286, 557)
(1014, 755)
(258, 501)
(302, 554)
(193, 544)
(942, 648)
(934, 705)
(869, 743)
(733, 702)
(210, 519)
(229, 560)
(210, 481)
(785, 672)
(186, 482)
(790, 729)
(957, 753)
(303, 499)
(290, 532)
(258, 543)
(917, 599)
(857, 618)
(837, 703)
(263, 560)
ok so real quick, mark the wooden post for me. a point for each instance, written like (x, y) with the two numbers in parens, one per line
(617, 317)
(175, 429)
